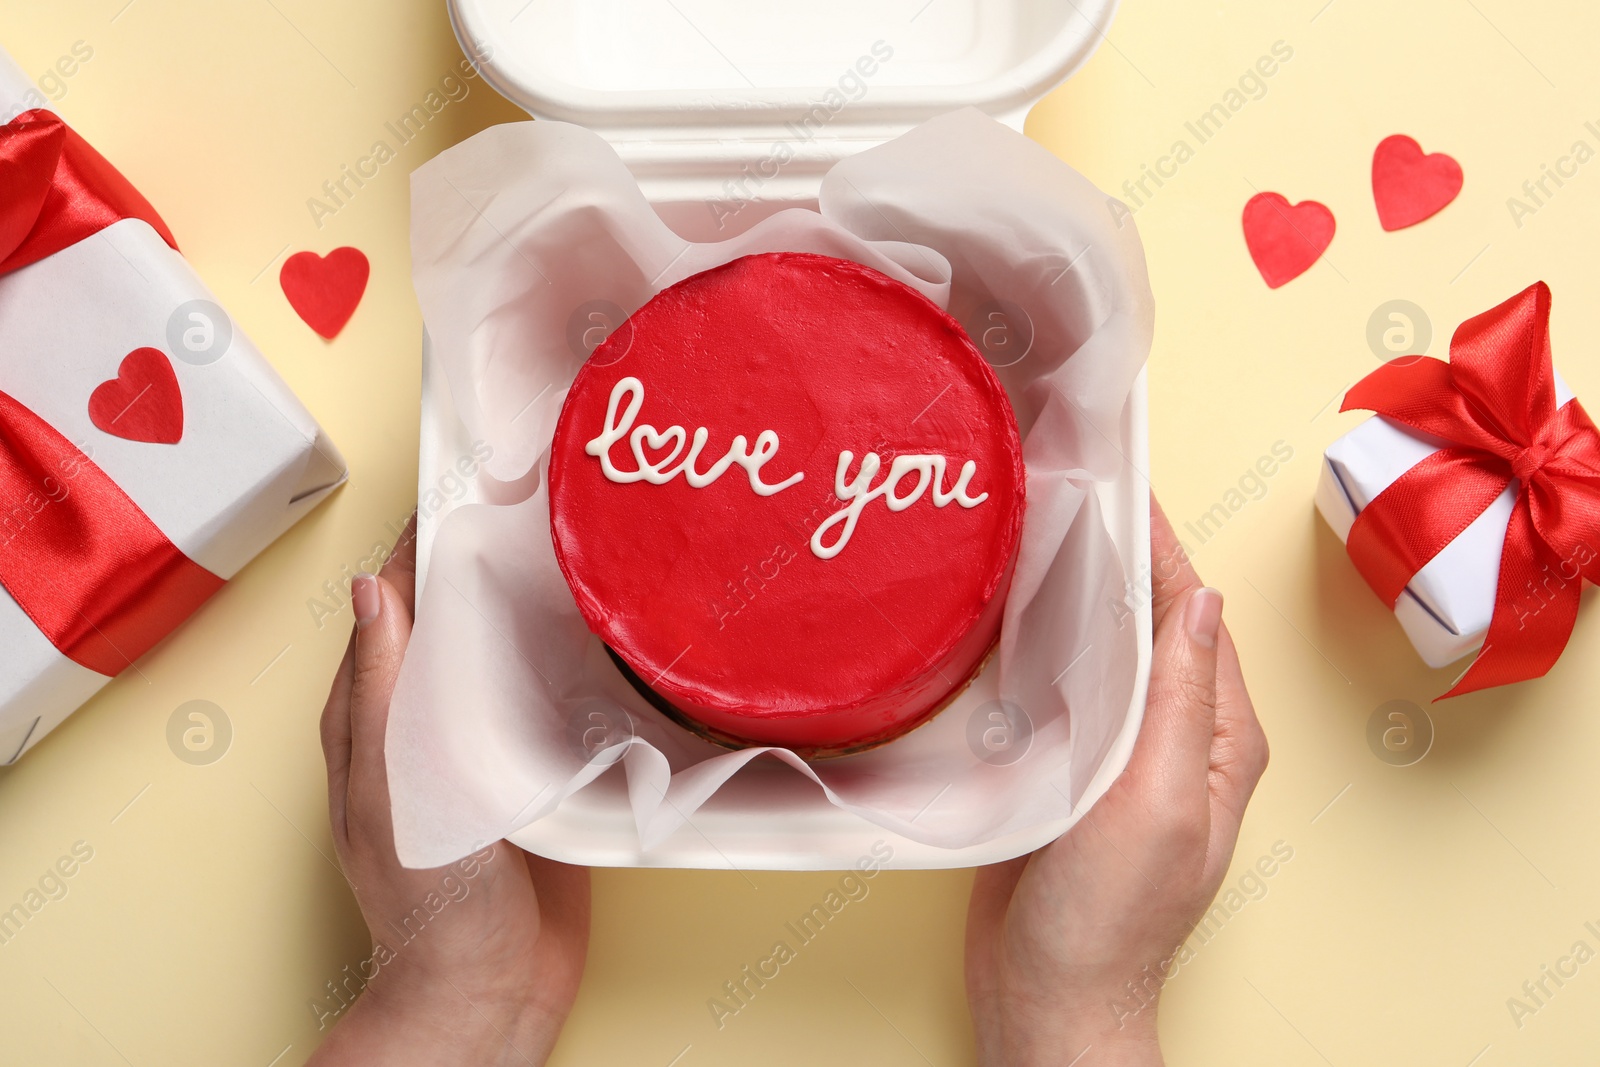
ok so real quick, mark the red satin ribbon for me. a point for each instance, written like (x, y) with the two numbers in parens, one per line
(55, 190)
(1494, 404)
(97, 577)
(86, 564)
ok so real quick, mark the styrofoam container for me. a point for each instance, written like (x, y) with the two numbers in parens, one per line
(694, 95)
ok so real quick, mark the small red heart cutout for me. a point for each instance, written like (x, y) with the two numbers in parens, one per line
(325, 291)
(1409, 186)
(30, 151)
(1285, 240)
(143, 402)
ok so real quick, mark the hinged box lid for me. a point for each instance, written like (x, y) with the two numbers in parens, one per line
(711, 98)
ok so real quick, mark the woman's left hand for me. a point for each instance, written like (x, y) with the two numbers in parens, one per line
(474, 963)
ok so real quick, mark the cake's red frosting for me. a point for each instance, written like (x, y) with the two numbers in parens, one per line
(713, 595)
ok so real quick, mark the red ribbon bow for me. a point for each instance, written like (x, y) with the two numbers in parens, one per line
(89, 567)
(55, 190)
(1494, 406)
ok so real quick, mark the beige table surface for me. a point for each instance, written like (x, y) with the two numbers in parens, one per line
(1418, 899)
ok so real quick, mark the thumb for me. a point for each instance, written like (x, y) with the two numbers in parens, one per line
(1181, 714)
(383, 629)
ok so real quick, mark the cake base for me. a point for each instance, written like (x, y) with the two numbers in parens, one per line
(728, 741)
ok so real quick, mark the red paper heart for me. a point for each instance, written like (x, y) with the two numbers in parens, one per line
(143, 402)
(325, 291)
(30, 151)
(1285, 240)
(1409, 186)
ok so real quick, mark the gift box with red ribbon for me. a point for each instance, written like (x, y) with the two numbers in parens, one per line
(1471, 504)
(147, 450)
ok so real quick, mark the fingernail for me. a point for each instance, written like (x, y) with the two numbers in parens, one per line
(367, 599)
(1203, 616)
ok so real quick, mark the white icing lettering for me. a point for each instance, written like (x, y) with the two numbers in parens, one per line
(655, 472)
(647, 437)
(627, 398)
(857, 495)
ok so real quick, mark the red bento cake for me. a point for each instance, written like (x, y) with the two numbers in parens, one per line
(788, 497)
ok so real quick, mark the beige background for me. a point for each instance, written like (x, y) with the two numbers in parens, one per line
(1418, 899)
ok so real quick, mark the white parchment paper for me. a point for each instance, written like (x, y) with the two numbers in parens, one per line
(519, 229)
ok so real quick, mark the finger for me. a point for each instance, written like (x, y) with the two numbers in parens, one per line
(1180, 716)
(564, 902)
(335, 730)
(400, 569)
(383, 628)
(992, 887)
(563, 890)
(1239, 751)
(1171, 574)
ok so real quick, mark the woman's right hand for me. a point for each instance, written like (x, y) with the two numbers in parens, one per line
(1056, 939)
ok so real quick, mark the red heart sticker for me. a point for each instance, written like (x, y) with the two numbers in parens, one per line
(1409, 186)
(1284, 239)
(324, 291)
(143, 402)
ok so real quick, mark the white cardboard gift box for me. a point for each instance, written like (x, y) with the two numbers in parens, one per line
(251, 461)
(673, 89)
(1446, 608)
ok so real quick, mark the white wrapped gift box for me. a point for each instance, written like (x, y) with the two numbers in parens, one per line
(1445, 610)
(251, 460)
